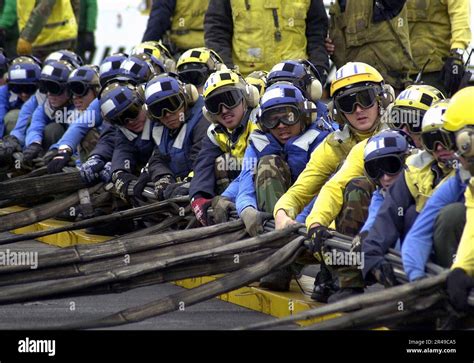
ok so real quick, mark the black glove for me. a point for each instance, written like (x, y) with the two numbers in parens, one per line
(318, 236)
(384, 274)
(59, 162)
(89, 41)
(161, 185)
(139, 187)
(91, 169)
(32, 152)
(176, 189)
(452, 72)
(46, 158)
(459, 285)
(253, 220)
(122, 180)
(8, 145)
(221, 207)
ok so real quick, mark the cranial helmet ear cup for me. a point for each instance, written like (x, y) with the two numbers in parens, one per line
(315, 90)
(209, 117)
(141, 92)
(251, 95)
(170, 65)
(221, 67)
(464, 142)
(335, 116)
(191, 94)
(309, 113)
(387, 96)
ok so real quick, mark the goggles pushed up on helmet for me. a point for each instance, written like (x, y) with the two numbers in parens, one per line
(19, 88)
(166, 105)
(288, 115)
(432, 138)
(390, 165)
(78, 88)
(229, 98)
(412, 118)
(127, 115)
(365, 97)
(52, 87)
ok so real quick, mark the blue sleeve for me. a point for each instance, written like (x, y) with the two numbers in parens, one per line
(246, 196)
(105, 145)
(23, 117)
(389, 224)
(39, 121)
(375, 203)
(417, 246)
(89, 119)
(4, 106)
(301, 218)
(232, 190)
(159, 20)
(124, 154)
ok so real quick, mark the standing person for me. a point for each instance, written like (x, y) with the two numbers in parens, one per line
(9, 28)
(45, 26)
(439, 35)
(178, 23)
(373, 32)
(87, 26)
(255, 36)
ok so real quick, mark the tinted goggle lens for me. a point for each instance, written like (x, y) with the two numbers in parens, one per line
(229, 99)
(22, 88)
(364, 98)
(78, 88)
(432, 138)
(52, 87)
(167, 105)
(196, 77)
(129, 114)
(287, 115)
(390, 165)
(412, 119)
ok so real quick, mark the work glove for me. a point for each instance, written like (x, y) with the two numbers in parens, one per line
(8, 145)
(24, 47)
(32, 152)
(199, 206)
(140, 185)
(62, 158)
(459, 285)
(452, 72)
(222, 206)
(122, 180)
(253, 220)
(318, 235)
(45, 159)
(161, 185)
(88, 41)
(176, 190)
(91, 169)
(384, 274)
(106, 173)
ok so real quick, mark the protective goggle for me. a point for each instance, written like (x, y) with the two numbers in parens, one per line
(18, 88)
(79, 88)
(52, 87)
(127, 115)
(411, 118)
(170, 104)
(229, 98)
(431, 139)
(288, 115)
(365, 97)
(390, 165)
(195, 76)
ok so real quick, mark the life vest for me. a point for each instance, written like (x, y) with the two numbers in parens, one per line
(187, 25)
(178, 149)
(296, 151)
(60, 26)
(267, 31)
(430, 33)
(358, 39)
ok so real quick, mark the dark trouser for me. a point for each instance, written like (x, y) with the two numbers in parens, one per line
(52, 133)
(43, 51)
(10, 120)
(449, 226)
(226, 169)
(88, 144)
(433, 79)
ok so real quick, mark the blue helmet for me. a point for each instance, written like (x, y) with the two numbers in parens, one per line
(139, 68)
(166, 93)
(282, 97)
(110, 67)
(54, 76)
(301, 73)
(65, 55)
(84, 78)
(120, 102)
(385, 153)
(23, 75)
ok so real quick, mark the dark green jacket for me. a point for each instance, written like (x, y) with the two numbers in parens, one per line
(88, 17)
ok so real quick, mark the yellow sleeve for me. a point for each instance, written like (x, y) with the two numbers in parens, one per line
(322, 164)
(459, 13)
(330, 199)
(465, 253)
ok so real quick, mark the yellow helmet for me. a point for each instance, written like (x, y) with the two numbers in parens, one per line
(420, 97)
(202, 55)
(432, 120)
(460, 112)
(352, 73)
(221, 79)
(147, 48)
(259, 80)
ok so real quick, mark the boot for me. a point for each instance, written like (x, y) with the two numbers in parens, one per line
(345, 293)
(278, 280)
